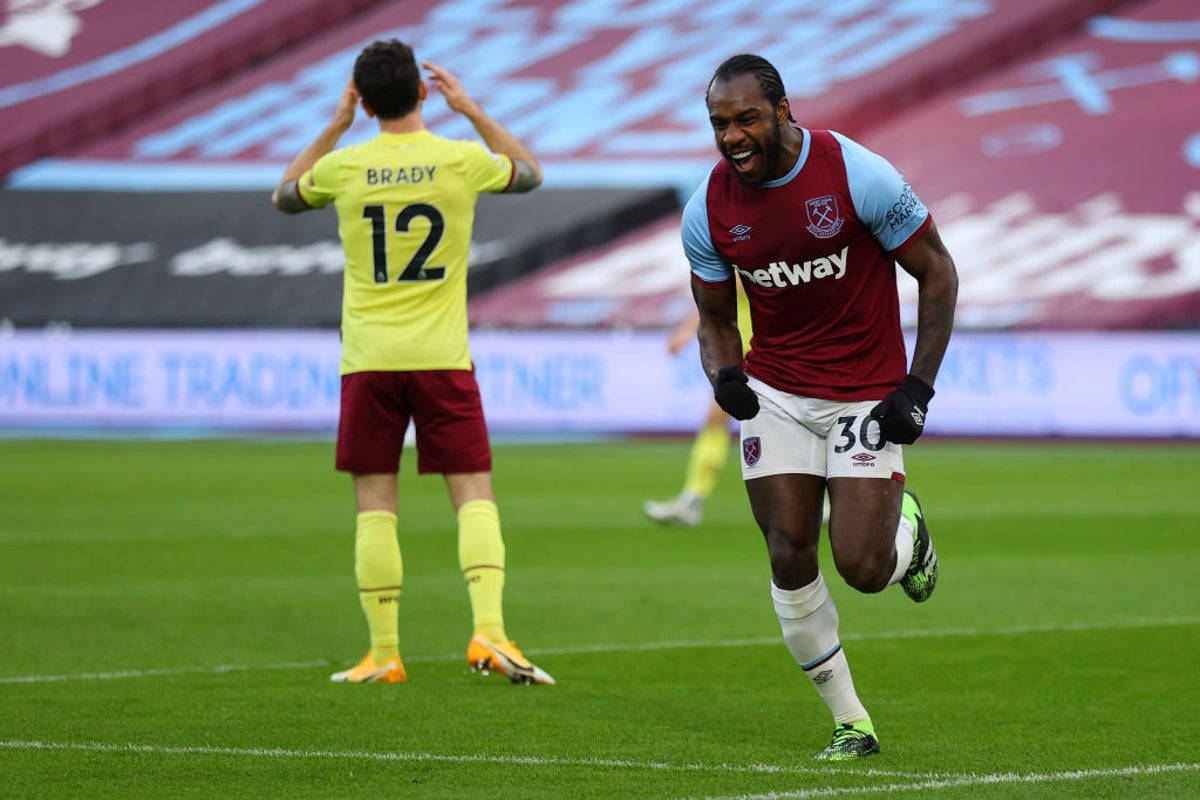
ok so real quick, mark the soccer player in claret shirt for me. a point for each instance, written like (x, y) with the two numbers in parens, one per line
(813, 223)
(405, 203)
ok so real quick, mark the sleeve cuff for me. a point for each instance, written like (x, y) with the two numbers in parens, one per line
(300, 194)
(512, 173)
(917, 234)
(704, 282)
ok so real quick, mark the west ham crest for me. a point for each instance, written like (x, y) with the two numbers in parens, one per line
(824, 221)
(751, 450)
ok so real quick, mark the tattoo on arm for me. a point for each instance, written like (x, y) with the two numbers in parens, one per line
(935, 319)
(525, 177)
(287, 198)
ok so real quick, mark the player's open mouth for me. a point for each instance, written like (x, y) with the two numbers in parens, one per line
(743, 160)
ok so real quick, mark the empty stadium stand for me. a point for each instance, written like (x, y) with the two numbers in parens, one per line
(76, 70)
(1074, 210)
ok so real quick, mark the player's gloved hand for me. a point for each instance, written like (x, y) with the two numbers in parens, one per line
(733, 395)
(901, 414)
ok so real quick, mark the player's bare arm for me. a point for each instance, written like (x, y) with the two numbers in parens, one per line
(720, 343)
(527, 175)
(287, 197)
(930, 263)
(721, 348)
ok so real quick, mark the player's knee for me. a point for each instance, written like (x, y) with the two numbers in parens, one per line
(793, 560)
(866, 572)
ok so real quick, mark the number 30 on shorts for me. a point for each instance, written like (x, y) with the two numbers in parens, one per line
(868, 433)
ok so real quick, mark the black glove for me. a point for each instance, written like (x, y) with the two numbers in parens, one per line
(733, 395)
(901, 414)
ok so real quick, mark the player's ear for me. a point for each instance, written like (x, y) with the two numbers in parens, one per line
(783, 112)
(370, 112)
(422, 90)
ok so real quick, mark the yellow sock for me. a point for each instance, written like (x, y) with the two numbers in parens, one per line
(481, 556)
(380, 573)
(709, 452)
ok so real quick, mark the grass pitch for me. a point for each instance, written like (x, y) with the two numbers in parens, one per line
(170, 612)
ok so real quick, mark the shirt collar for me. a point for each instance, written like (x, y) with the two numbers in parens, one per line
(795, 170)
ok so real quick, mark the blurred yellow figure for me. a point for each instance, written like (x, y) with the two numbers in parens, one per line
(710, 448)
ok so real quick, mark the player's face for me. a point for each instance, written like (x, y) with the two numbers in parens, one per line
(747, 128)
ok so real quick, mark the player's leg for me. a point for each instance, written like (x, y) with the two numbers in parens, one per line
(787, 509)
(863, 531)
(480, 549)
(482, 560)
(370, 438)
(877, 530)
(452, 439)
(783, 464)
(710, 451)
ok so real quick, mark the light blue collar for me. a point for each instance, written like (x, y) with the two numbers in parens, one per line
(794, 171)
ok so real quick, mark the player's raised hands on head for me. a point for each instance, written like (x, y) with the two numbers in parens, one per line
(445, 82)
(343, 116)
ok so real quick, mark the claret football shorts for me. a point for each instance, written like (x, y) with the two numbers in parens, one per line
(444, 405)
(833, 438)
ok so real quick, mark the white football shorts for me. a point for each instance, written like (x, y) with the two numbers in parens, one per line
(832, 438)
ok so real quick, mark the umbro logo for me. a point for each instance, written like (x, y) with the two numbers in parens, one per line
(863, 460)
(740, 232)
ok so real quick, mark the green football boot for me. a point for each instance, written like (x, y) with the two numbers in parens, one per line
(851, 740)
(921, 578)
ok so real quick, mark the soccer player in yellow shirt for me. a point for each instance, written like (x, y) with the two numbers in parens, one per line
(405, 203)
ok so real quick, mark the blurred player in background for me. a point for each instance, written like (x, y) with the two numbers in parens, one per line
(710, 448)
(813, 223)
(405, 204)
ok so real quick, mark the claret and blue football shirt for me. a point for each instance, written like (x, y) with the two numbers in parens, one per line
(816, 251)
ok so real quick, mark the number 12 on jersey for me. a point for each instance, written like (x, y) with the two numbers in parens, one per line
(416, 269)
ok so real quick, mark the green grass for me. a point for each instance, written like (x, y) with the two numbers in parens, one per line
(192, 597)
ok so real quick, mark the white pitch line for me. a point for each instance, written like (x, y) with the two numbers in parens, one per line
(1008, 630)
(362, 755)
(151, 673)
(968, 780)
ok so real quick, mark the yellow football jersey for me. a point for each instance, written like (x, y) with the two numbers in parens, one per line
(405, 204)
(745, 328)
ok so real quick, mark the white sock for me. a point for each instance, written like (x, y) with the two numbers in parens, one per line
(809, 621)
(904, 548)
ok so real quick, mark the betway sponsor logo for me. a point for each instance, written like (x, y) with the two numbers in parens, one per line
(69, 261)
(780, 273)
(228, 255)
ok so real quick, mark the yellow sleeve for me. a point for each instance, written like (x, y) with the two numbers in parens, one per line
(318, 186)
(486, 171)
(745, 328)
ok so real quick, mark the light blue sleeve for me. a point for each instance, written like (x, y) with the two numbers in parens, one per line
(883, 200)
(697, 239)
